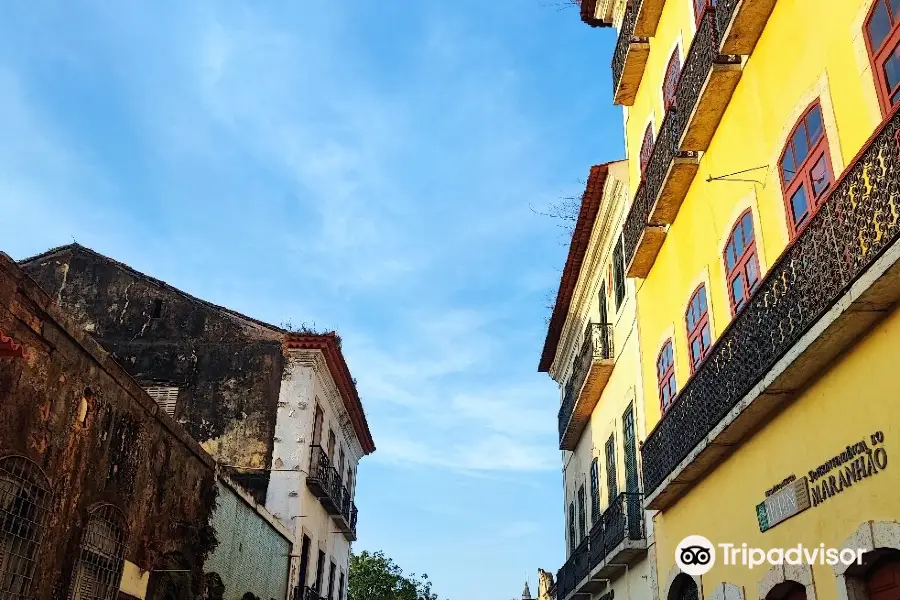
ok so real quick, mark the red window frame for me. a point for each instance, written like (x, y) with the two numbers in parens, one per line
(646, 147)
(670, 82)
(696, 318)
(665, 376)
(700, 8)
(888, 48)
(811, 177)
(741, 261)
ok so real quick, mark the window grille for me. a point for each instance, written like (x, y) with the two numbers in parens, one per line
(102, 553)
(165, 396)
(24, 495)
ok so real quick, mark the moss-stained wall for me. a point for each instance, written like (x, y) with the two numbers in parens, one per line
(228, 368)
(99, 439)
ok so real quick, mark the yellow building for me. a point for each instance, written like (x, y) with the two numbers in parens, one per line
(592, 351)
(763, 147)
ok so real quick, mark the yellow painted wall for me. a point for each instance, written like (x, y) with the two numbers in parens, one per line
(807, 51)
(861, 390)
(793, 64)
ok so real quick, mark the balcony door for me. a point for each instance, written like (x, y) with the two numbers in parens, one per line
(318, 422)
(320, 569)
(304, 559)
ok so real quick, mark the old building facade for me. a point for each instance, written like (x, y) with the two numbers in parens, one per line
(762, 233)
(278, 410)
(592, 351)
(98, 486)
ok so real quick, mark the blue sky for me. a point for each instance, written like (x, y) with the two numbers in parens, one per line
(364, 166)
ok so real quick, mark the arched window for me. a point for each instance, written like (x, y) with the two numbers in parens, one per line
(646, 147)
(700, 7)
(741, 263)
(882, 31)
(670, 83)
(805, 169)
(24, 494)
(697, 320)
(102, 553)
(665, 376)
(684, 588)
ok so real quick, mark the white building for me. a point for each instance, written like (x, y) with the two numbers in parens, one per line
(320, 436)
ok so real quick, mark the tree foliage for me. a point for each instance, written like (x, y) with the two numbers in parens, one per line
(374, 576)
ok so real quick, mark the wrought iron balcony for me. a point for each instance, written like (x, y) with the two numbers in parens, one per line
(323, 480)
(346, 518)
(705, 87)
(590, 374)
(830, 285)
(617, 538)
(704, 90)
(573, 571)
(319, 479)
(629, 58)
(741, 23)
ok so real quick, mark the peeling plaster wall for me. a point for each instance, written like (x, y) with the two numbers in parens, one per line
(306, 384)
(61, 408)
(228, 368)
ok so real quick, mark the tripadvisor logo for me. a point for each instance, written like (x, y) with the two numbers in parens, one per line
(695, 555)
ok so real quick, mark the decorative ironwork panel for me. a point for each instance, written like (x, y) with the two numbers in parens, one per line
(725, 10)
(320, 467)
(860, 218)
(597, 345)
(353, 515)
(24, 495)
(596, 552)
(626, 37)
(101, 556)
(580, 560)
(635, 222)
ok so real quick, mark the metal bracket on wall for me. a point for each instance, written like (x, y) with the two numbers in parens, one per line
(730, 176)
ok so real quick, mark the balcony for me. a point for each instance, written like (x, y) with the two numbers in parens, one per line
(323, 480)
(741, 23)
(829, 287)
(704, 91)
(617, 541)
(629, 58)
(590, 373)
(706, 86)
(346, 518)
(648, 14)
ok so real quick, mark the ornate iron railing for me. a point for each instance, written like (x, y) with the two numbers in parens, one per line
(596, 553)
(859, 219)
(597, 345)
(574, 570)
(336, 487)
(626, 37)
(724, 13)
(701, 57)
(353, 515)
(623, 519)
(320, 467)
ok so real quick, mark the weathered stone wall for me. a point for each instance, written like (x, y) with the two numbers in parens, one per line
(228, 367)
(69, 408)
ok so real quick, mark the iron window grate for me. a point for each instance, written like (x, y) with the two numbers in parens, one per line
(24, 494)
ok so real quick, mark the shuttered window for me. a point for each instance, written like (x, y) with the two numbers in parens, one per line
(165, 396)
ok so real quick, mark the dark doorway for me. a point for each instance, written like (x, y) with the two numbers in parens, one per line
(883, 578)
(304, 559)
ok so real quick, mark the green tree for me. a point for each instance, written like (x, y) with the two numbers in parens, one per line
(374, 576)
